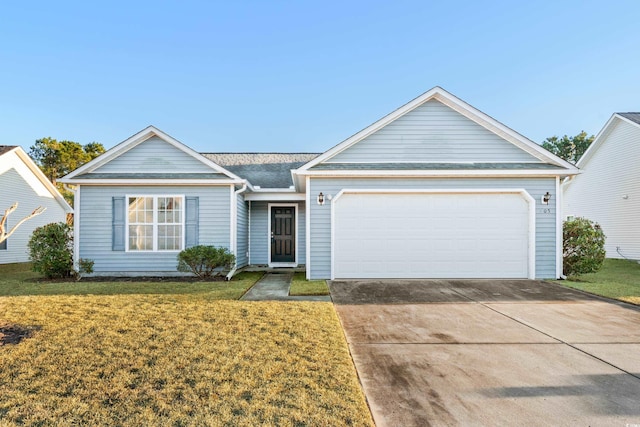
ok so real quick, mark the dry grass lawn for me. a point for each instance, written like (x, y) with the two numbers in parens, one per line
(176, 359)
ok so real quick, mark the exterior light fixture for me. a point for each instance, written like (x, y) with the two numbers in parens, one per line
(545, 198)
(321, 198)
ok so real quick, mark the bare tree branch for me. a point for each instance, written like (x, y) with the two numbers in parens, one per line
(4, 235)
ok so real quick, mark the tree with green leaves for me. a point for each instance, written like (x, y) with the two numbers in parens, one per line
(58, 158)
(570, 148)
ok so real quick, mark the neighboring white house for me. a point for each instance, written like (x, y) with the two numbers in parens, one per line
(608, 190)
(22, 181)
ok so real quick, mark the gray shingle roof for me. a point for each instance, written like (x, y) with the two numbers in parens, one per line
(267, 170)
(634, 117)
(6, 148)
(432, 166)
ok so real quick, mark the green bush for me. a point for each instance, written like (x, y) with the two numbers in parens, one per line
(204, 260)
(50, 249)
(582, 247)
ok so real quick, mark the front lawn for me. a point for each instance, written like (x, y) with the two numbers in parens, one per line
(300, 286)
(618, 279)
(18, 279)
(187, 357)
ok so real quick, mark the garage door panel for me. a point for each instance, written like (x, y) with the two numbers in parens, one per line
(431, 235)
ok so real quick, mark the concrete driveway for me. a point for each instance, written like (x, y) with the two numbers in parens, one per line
(491, 352)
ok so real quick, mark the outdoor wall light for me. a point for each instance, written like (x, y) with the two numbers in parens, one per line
(545, 198)
(321, 198)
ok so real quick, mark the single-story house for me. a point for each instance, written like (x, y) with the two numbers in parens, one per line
(608, 189)
(22, 181)
(435, 189)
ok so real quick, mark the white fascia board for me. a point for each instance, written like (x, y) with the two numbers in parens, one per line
(139, 138)
(172, 182)
(265, 196)
(22, 155)
(441, 173)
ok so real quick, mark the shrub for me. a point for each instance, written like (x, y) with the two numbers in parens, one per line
(85, 266)
(582, 247)
(50, 249)
(204, 260)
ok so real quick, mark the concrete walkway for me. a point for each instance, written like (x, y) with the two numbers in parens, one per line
(275, 287)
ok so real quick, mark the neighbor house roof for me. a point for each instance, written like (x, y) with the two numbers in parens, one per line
(6, 148)
(266, 170)
(634, 117)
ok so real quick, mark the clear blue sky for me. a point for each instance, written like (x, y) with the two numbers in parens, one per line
(303, 76)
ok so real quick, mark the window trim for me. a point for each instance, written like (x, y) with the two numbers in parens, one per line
(155, 223)
(4, 246)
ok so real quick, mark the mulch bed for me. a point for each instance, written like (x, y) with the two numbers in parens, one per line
(13, 334)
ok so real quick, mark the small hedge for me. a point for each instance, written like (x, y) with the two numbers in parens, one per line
(205, 261)
(582, 247)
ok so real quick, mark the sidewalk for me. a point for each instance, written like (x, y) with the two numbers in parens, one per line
(275, 287)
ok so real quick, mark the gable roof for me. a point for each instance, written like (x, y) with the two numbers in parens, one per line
(631, 118)
(473, 114)
(85, 172)
(265, 170)
(37, 172)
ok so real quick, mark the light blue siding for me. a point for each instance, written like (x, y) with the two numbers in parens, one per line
(260, 228)
(154, 156)
(96, 222)
(242, 232)
(258, 233)
(320, 231)
(433, 133)
(14, 188)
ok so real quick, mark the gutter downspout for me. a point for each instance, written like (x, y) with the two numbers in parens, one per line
(235, 243)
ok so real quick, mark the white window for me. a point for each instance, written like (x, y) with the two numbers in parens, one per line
(155, 223)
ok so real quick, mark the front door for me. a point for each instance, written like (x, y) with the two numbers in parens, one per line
(283, 234)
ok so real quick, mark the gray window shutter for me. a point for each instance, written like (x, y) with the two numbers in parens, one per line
(192, 215)
(118, 221)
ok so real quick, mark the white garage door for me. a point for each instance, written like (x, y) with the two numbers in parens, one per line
(427, 235)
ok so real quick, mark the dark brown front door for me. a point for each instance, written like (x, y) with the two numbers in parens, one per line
(283, 234)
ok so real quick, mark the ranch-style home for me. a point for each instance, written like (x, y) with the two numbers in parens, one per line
(435, 189)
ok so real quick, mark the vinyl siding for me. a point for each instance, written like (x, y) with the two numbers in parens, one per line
(433, 133)
(95, 226)
(19, 187)
(242, 232)
(597, 194)
(320, 216)
(154, 156)
(260, 228)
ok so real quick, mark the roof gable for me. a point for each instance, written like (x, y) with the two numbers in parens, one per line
(499, 135)
(151, 153)
(14, 160)
(631, 119)
(433, 133)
